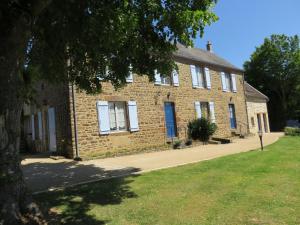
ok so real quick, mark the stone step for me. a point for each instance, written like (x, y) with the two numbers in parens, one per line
(222, 140)
(214, 142)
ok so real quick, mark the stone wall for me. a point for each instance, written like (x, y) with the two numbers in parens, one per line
(257, 106)
(58, 97)
(150, 100)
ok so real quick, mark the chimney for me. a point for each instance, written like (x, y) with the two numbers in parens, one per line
(209, 47)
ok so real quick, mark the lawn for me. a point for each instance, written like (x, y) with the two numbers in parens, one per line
(248, 188)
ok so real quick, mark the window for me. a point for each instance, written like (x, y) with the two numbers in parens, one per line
(117, 116)
(252, 121)
(200, 77)
(165, 80)
(204, 109)
(172, 79)
(228, 82)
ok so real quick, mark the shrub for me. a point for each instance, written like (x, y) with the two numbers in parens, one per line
(201, 129)
(177, 144)
(292, 131)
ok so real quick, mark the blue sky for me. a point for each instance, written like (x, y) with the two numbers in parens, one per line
(243, 25)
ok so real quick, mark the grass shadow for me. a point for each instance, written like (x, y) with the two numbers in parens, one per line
(71, 205)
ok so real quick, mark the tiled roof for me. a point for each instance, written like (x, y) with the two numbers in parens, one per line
(254, 93)
(203, 56)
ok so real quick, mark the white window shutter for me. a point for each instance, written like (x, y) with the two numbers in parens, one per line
(224, 86)
(129, 78)
(103, 117)
(133, 116)
(40, 125)
(233, 81)
(198, 110)
(212, 112)
(157, 78)
(194, 76)
(32, 128)
(175, 77)
(207, 78)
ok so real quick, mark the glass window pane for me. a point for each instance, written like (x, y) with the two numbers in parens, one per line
(228, 81)
(121, 115)
(204, 110)
(200, 76)
(112, 116)
(166, 80)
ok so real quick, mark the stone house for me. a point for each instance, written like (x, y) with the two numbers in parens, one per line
(258, 117)
(143, 114)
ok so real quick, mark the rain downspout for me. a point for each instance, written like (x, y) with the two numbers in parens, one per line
(77, 157)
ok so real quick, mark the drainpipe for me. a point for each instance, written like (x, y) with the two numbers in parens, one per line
(77, 157)
(248, 122)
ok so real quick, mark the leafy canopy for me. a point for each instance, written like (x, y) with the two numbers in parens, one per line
(274, 68)
(82, 41)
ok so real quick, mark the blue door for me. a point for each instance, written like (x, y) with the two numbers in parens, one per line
(232, 116)
(170, 119)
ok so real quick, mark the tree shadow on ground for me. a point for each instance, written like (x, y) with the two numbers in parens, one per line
(72, 205)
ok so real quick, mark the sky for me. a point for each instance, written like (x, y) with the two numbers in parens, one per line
(244, 24)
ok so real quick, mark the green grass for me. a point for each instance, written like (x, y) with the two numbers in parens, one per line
(248, 188)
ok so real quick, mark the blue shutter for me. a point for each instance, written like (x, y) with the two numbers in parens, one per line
(194, 76)
(32, 128)
(233, 82)
(224, 86)
(207, 78)
(175, 76)
(129, 78)
(133, 116)
(103, 117)
(212, 112)
(198, 110)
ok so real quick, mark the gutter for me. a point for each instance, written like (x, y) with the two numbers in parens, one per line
(77, 157)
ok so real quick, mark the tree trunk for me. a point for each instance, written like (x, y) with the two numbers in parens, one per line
(15, 204)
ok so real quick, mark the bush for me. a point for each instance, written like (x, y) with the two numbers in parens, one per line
(177, 144)
(201, 129)
(292, 131)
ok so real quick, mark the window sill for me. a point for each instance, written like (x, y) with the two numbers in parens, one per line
(165, 85)
(119, 133)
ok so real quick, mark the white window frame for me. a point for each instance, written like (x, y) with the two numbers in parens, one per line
(116, 114)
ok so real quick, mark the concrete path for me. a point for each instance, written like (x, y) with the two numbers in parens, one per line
(42, 174)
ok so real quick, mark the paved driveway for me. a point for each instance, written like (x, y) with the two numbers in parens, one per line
(42, 174)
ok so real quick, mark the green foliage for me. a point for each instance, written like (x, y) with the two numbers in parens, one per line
(292, 131)
(82, 41)
(274, 69)
(201, 129)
